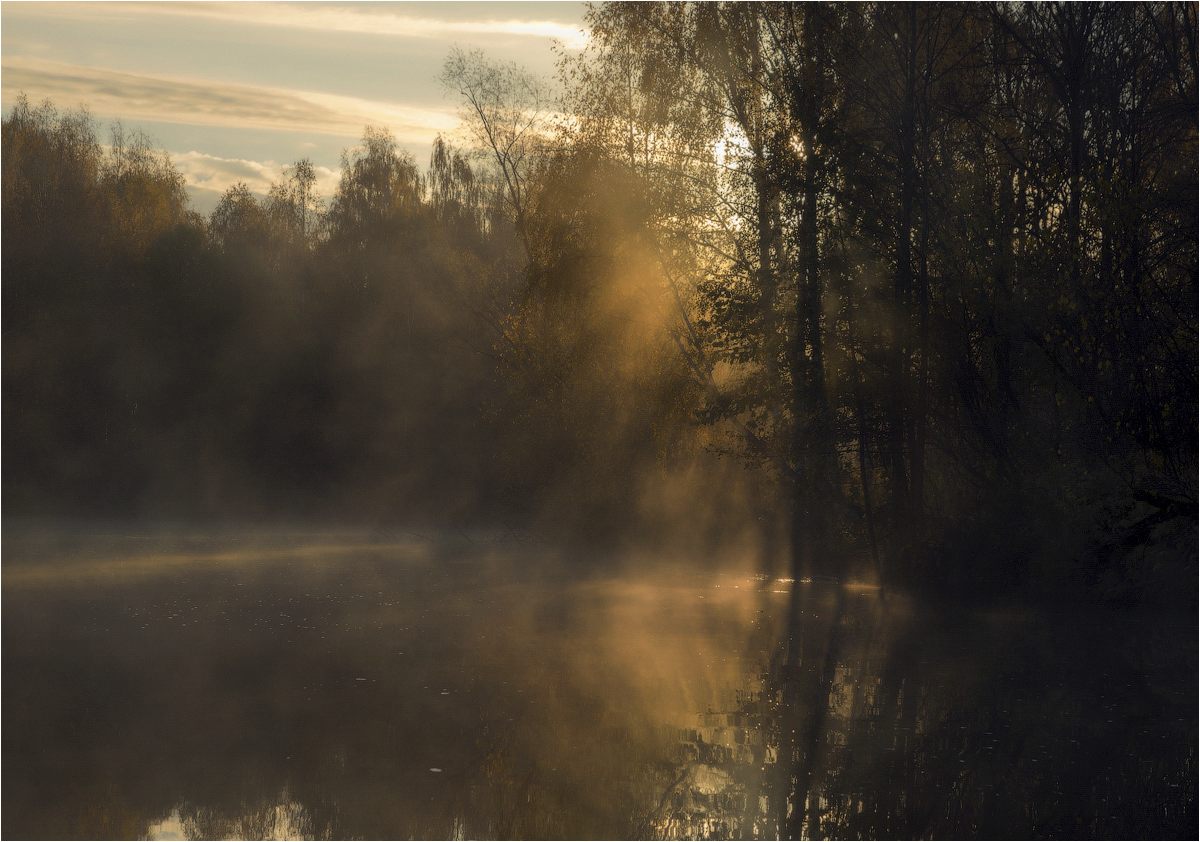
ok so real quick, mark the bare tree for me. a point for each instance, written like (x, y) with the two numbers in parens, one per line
(505, 109)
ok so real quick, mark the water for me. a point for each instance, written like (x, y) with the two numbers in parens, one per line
(343, 686)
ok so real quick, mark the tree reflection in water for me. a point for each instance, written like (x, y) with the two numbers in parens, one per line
(283, 688)
(898, 721)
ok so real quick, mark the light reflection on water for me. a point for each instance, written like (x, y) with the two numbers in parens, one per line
(338, 687)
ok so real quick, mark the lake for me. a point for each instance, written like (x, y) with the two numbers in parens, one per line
(214, 684)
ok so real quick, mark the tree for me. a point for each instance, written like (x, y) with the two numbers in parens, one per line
(506, 110)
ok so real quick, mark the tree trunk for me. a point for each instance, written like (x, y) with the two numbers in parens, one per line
(902, 289)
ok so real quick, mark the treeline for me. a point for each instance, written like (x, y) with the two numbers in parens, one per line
(378, 355)
(945, 268)
(929, 271)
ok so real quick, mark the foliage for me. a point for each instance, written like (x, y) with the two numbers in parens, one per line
(928, 269)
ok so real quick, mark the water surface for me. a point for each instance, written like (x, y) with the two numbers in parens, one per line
(325, 685)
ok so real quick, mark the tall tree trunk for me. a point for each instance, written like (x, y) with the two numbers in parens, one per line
(1002, 307)
(1074, 26)
(920, 420)
(866, 470)
(902, 287)
(812, 428)
(809, 367)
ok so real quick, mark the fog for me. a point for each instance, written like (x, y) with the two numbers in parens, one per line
(780, 424)
(346, 686)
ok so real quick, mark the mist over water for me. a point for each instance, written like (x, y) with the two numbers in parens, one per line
(358, 685)
(781, 424)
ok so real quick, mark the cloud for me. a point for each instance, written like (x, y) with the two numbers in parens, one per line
(371, 19)
(166, 99)
(379, 22)
(364, 19)
(210, 172)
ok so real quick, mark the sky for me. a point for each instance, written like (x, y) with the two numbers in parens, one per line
(235, 91)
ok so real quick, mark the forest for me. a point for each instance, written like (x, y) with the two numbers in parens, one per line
(903, 292)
